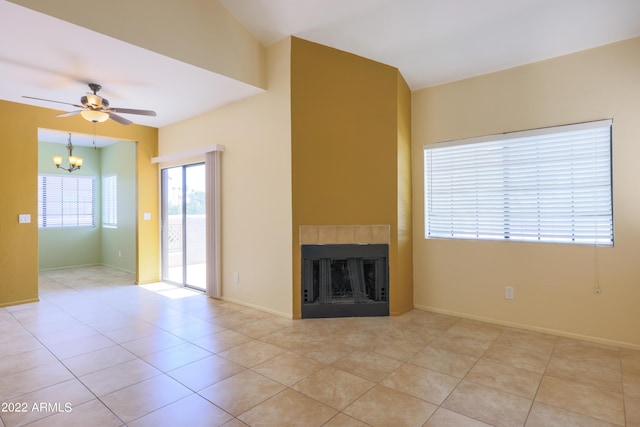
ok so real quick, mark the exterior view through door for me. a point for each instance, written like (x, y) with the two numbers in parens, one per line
(184, 225)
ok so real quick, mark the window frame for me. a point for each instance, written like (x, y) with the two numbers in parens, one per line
(110, 201)
(483, 169)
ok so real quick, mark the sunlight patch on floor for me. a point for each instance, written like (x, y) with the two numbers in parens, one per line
(170, 291)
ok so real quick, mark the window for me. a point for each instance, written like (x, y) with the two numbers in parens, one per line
(110, 201)
(66, 201)
(543, 185)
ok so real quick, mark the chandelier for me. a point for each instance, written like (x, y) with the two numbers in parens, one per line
(75, 162)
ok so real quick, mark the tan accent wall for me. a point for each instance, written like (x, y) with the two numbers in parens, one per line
(345, 152)
(554, 283)
(404, 293)
(19, 125)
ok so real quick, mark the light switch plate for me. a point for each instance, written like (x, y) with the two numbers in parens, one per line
(147, 216)
(24, 218)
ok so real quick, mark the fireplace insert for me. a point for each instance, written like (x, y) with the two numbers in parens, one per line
(345, 280)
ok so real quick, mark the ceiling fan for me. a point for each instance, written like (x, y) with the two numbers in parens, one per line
(96, 108)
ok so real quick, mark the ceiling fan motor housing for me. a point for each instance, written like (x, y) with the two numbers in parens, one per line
(94, 102)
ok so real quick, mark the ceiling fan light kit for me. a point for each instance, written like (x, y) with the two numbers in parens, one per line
(94, 116)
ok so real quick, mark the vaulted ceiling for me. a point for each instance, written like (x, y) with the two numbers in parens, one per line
(430, 41)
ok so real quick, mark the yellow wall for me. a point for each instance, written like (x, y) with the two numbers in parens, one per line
(18, 185)
(148, 234)
(404, 293)
(554, 284)
(19, 189)
(256, 185)
(345, 152)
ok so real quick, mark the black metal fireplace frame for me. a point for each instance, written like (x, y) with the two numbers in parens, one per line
(340, 252)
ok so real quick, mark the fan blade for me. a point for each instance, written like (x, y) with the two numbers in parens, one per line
(119, 119)
(51, 100)
(69, 114)
(132, 111)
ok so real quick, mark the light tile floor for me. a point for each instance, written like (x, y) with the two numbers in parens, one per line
(99, 351)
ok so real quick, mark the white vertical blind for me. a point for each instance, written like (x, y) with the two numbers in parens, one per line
(66, 201)
(110, 201)
(545, 185)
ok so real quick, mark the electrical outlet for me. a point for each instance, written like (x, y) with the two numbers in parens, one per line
(508, 292)
(236, 277)
(119, 254)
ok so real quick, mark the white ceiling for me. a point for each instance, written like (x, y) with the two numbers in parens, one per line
(438, 41)
(77, 139)
(430, 41)
(53, 59)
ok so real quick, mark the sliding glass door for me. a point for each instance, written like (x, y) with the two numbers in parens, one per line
(184, 225)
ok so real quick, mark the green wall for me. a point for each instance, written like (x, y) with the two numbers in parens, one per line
(118, 244)
(73, 246)
(77, 246)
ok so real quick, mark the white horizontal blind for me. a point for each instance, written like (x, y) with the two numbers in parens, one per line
(66, 201)
(110, 201)
(545, 185)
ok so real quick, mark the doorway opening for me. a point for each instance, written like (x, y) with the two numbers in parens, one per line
(184, 225)
(81, 223)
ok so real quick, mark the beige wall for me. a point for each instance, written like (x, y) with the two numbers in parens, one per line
(554, 284)
(256, 185)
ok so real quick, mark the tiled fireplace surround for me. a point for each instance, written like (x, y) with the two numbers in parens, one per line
(344, 234)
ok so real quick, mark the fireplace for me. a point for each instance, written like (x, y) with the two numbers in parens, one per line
(345, 280)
